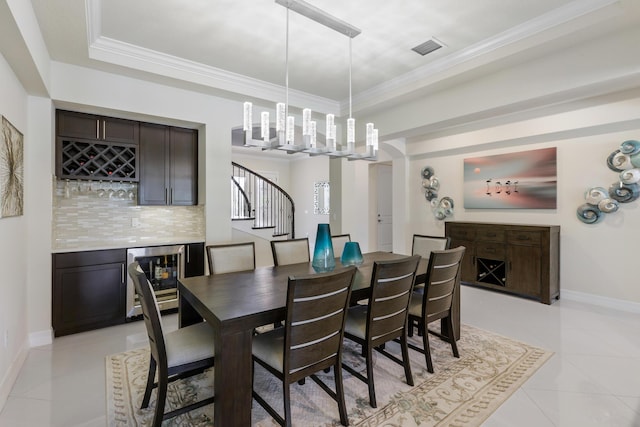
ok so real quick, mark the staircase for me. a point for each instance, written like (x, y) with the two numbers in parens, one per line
(260, 203)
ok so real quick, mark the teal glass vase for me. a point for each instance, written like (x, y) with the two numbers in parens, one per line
(351, 255)
(323, 258)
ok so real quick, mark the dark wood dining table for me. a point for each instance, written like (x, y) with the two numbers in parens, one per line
(236, 303)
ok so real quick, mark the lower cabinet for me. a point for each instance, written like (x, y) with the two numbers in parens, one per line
(194, 259)
(516, 258)
(89, 290)
(90, 287)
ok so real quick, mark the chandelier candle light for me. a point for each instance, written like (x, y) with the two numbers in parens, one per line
(285, 123)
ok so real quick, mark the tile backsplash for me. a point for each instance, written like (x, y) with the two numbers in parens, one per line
(86, 217)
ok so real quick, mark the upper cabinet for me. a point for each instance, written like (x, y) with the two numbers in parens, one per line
(96, 147)
(168, 165)
(98, 128)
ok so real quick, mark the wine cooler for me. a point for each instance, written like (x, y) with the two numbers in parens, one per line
(163, 266)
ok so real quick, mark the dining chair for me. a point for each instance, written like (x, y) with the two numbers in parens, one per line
(338, 242)
(311, 339)
(291, 251)
(423, 245)
(229, 258)
(384, 318)
(175, 355)
(443, 276)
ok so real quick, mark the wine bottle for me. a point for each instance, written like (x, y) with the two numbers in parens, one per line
(158, 270)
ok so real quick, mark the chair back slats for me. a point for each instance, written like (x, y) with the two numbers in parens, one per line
(442, 276)
(316, 307)
(150, 312)
(292, 251)
(391, 284)
(310, 355)
(231, 257)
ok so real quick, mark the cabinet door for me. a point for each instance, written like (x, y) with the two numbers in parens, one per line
(77, 125)
(154, 165)
(88, 297)
(523, 272)
(194, 260)
(89, 126)
(119, 130)
(184, 166)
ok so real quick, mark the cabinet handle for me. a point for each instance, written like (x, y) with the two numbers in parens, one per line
(188, 255)
(171, 201)
(122, 271)
(97, 128)
(166, 195)
(104, 129)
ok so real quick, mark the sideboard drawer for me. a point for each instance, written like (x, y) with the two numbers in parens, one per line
(524, 237)
(490, 250)
(490, 234)
(463, 233)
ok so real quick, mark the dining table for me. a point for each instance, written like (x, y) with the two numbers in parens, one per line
(234, 304)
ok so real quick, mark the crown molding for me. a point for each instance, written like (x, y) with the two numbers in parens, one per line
(489, 49)
(132, 56)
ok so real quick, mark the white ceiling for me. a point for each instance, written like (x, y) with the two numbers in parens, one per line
(238, 46)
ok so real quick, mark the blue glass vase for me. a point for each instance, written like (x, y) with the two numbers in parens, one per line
(323, 258)
(351, 255)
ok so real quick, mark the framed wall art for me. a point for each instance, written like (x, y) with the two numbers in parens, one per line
(522, 180)
(11, 170)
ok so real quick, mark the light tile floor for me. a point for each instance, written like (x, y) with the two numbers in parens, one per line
(593, 379)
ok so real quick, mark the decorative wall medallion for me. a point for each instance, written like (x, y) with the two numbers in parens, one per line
(11, 170)
(442, 208)
(625, 161)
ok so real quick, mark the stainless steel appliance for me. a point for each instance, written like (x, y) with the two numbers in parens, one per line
(163, 266)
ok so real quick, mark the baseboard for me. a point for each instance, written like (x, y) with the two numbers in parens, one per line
(37, 339)
(614, 303)
(12, 374)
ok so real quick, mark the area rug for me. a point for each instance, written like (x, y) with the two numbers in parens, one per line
(461, 392)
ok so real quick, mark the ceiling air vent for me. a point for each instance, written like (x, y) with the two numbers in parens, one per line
(428, 46)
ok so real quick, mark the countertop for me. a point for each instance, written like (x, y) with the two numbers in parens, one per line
(122, 244)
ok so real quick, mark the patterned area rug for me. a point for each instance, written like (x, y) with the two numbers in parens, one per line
(461, 392)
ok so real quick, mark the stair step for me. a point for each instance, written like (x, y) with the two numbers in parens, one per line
(280, 234)
(263, 227)
(242, 218)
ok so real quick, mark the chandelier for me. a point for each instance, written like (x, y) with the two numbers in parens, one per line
(285, 123)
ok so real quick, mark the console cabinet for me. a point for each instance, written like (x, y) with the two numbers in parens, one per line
(516, 258)
(89, 290)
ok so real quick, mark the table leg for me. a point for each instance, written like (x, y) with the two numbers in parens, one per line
(232, 379)
(187, 315)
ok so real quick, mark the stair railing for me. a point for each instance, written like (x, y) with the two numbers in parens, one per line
(254, 196)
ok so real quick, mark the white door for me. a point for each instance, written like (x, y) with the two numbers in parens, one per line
(385, 218)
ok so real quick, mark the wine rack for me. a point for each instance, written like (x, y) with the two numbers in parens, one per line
(491, 271)
(93, 160)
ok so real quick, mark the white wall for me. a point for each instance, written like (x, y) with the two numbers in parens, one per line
(595, 259)
(13, 243)
(304, 173)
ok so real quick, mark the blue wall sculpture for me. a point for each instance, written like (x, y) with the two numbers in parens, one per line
(626, 162)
